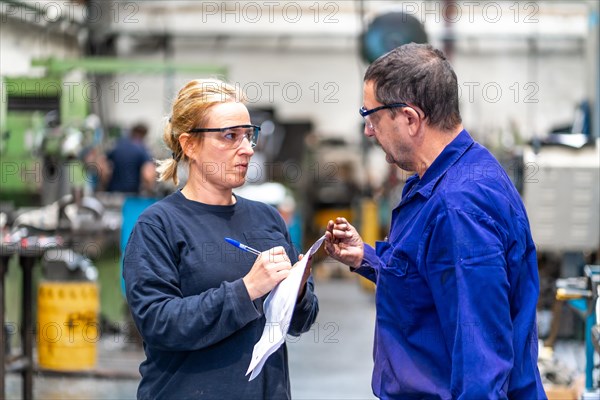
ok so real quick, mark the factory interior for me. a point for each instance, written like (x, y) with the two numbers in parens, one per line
(79, 76)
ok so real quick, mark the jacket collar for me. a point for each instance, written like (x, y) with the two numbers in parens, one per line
(447, 158)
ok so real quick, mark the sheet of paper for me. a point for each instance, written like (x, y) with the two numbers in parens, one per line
(279, 307)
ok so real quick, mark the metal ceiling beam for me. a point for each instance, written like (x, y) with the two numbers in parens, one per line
(109, 65)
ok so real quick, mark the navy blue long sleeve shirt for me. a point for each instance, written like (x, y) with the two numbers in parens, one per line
(127, 159)
(457, 286)
(185, 290)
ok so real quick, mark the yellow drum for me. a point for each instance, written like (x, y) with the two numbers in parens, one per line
(68, 327)
(369, 231)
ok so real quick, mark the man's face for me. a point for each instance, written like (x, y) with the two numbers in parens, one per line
(389, 133)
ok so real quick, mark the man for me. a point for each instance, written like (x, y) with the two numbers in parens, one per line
(133, 170)
(457, 280)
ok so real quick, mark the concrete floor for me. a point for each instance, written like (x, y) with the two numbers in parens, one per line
(332, 361)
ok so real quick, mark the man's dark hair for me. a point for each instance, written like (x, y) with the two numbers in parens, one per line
(139, 131)
(421, 75)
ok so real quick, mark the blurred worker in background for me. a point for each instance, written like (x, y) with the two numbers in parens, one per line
(131, 167)
(457, 279)
(198, 301)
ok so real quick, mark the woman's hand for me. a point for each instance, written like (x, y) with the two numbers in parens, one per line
(305, 276)
(270, 268)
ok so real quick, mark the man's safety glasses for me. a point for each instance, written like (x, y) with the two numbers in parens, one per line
(366, 113)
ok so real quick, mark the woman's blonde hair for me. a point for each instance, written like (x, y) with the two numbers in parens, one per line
(190, 110)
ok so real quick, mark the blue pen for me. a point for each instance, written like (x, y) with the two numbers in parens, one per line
(242, 246)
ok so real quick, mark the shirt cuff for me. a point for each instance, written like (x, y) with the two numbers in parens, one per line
(244, 306)
(305, 304)
(369, 260)
(369, 264)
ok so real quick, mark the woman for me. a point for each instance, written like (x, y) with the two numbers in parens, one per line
(196, 300)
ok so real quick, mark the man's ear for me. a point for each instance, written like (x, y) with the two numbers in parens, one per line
(414, 120)
(412, 115)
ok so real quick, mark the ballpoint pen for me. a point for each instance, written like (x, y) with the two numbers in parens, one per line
(242, 246)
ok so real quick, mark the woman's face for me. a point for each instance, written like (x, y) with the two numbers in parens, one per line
(217, 161)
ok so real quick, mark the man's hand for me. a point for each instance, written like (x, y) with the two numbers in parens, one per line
(343, 243)
(270, 268)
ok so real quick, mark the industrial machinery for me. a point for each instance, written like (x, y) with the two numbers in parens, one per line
(581, 294)
(562, 197)
(39, 140)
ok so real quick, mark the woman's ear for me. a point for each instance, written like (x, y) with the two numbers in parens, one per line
(187, 144)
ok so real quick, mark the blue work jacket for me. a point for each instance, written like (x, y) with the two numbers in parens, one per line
(457, 285)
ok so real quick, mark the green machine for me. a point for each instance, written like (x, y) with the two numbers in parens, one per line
(43, 124)
(31, 137)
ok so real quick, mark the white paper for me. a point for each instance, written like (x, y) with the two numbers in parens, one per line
(279, 307)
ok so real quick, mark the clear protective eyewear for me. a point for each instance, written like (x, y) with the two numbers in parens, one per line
(231, 137)
(365, 113)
